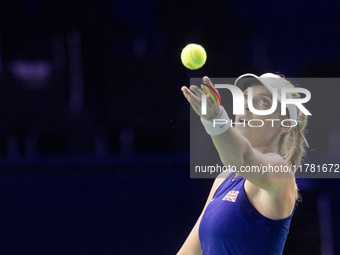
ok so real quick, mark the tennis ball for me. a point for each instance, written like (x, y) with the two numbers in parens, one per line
(193, 56)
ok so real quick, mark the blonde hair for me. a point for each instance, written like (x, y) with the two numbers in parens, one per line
(292, 145)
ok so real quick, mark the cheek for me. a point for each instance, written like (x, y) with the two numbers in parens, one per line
(269, 122)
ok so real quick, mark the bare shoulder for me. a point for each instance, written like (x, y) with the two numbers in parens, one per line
(273, 205)
(219, 179)
(274, 193)
(269, 172)
(217, 182)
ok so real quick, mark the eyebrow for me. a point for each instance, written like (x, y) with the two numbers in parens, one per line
(261, 94)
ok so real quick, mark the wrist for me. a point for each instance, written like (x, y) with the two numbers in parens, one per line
(217, 125)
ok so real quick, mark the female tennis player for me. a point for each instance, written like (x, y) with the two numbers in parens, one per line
(249, 212)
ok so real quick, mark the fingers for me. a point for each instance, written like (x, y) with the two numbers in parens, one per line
(209, 86)
(207, 83)
(186, 93)
(194, 96)
(193, 99)
(207, 80)
(185, 90)
(191, 95)
(198, 92)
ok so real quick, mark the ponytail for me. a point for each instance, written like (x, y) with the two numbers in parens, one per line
(292, 145)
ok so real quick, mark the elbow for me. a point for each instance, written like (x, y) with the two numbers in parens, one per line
(235, 162)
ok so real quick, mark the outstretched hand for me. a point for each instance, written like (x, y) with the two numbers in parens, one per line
(194, 97)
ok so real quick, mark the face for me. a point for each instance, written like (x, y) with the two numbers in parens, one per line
(266, 135)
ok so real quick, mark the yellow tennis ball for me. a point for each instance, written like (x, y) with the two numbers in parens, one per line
(193, 56)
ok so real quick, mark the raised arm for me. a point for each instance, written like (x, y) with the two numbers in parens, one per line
(235, 150)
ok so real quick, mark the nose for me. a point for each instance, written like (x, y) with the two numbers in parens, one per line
(246, 108)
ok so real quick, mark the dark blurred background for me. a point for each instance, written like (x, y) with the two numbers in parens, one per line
(94, 130)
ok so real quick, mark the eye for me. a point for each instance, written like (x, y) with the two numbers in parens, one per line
(264, 102)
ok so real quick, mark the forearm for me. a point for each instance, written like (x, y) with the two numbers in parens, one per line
(233, 148)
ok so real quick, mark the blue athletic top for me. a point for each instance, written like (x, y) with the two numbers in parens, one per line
(232, 226)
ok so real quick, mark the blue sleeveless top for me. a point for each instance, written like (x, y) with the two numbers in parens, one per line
(232, 226)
